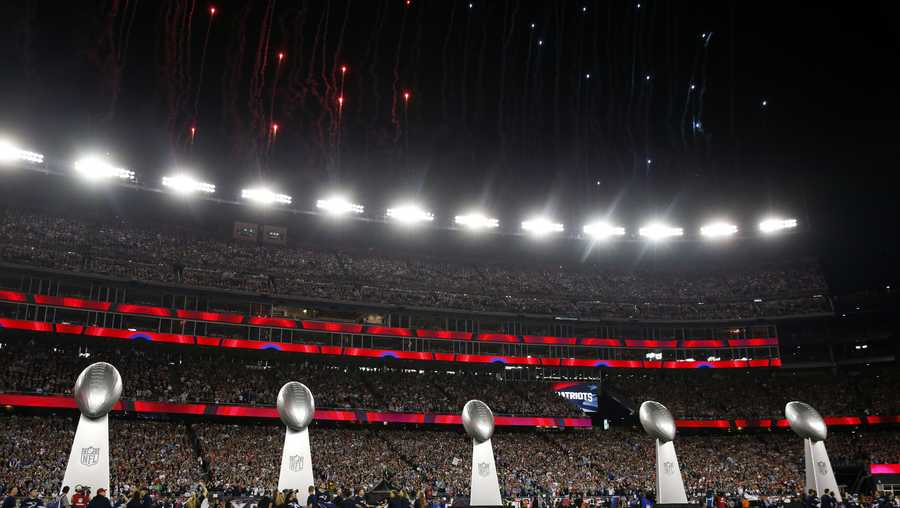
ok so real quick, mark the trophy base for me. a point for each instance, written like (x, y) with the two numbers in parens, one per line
(485, 489)
(89, 459)
(296, 462)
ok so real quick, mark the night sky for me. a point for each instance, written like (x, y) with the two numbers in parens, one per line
(681, 109)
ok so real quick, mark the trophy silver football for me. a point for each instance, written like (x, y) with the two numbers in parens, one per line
(805, 421)
(659, 424)
(478, 420)
(97, 389)
(296, 405)
(657, 421)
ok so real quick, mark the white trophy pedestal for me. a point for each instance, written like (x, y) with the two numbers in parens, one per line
(819, 475)
(669, 485)
(485, 490)
(296, 462)
(89, 459)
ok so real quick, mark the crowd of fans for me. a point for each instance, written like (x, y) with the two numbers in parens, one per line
(755, 394)
(196, 376)
(155, 253)
(245, 459)
(151, 372)
(144, 454)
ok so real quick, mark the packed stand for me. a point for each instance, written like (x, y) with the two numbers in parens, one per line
(245, 459)
(34, 366)
(143, 454)
(176, 255)
(756, 394)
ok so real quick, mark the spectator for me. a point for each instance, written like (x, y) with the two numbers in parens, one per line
(100, 500)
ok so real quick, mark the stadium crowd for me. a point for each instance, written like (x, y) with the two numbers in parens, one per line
(192, 375)
(147, 454)
(34, 366)
(759, 394)
(176, 255)
(245, 459)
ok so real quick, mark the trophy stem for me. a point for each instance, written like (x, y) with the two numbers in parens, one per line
(296, 462)
(485, 489)
(669, 485)
(89, 459)
(819, 475)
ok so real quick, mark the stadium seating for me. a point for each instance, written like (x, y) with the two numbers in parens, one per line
(175, 256)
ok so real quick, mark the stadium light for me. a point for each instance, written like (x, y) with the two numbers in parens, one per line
(265, 196)
(95, 167)
(409, 214)
(11, 153)
(476, 221)
(184, 184)
(657, 231)
(774, 224)
(718, 230)
(337, 205)
(601, 230)
(541, 226)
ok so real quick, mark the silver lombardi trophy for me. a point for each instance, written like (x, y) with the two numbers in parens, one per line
(809, 424)
(657, 421)
(296, 408)
(478, 420)
(97, 389)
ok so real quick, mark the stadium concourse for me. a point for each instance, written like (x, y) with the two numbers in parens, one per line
(175, 255)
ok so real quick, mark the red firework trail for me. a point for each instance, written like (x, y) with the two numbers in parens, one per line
(280, 57)
(394, 120)
(257, 81)
(212, 15)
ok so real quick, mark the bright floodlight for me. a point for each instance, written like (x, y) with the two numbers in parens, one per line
(184, 184)
(11, 153)
(476, 221)
(776, 224)
(94, 167)
(409, 214)
(265, 196)
(718, 230)
(657, 231)
(541, 226)
(337, 205)
(603, 230)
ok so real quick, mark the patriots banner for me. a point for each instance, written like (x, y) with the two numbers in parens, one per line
(581, 395)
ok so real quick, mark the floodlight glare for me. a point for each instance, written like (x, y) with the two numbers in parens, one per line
(409, 214)
(657, 231)
(540, 226)
(603, 230)
(11, 153)
(476, 221)
(184, 184)
(718, 230)
(94, 167)
(776, 224)
(265, 196)
(337, 205)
